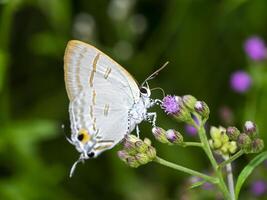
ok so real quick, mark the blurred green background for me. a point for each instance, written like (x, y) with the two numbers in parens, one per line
(202, 39)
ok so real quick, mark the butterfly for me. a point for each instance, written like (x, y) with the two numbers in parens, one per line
(106, 102)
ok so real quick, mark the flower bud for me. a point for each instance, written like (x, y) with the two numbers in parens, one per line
(257, 145)
(129, 144)
(232, 133)
(147, 141)
(142, 158)
(160, 134)
(123, 155)
(232, 147)
(202, 109)
(244, 142)
(141, 146)
(250, 129)
(151, 153)
(189, 101)
(183, 113)
(174, 136)
(132, 162)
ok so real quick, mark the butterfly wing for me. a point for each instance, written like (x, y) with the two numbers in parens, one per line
(101, 92)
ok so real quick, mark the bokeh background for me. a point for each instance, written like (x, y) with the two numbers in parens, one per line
(204, 42)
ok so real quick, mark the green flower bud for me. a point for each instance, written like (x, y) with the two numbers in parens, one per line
(189, 101)
(174, 136)
(160, 134)
(142, 158)
(250, 129)
(257, 145)
(132, 162)
(232, 147)
(202, 109)
(216, 133)
(244, 142)
(217, 143)
(183, 113)
(141, 146)
(232, 133)
(147, 141)
(151, 153)
(129, 144)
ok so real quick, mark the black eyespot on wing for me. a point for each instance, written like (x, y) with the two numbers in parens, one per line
(80, 137)
(91, 154)
(143, 90)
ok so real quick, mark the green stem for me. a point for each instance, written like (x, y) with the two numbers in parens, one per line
(231, 159)
(195, 144)
(185, 170)
(207, 149)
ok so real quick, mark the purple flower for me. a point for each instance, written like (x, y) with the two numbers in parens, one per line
(170, 104)
(240, 81)
(255, 48)
(258, 187)
(191, 130)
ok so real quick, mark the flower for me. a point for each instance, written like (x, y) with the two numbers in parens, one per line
(240, 81)
(257, 145)
(258, 187)
(250, 129)
(255, 48)
(170, 104)
(191, 130)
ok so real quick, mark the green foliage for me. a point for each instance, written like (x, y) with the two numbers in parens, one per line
(248, 170)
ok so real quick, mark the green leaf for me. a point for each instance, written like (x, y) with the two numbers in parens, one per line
(197, 184)
(248, 170)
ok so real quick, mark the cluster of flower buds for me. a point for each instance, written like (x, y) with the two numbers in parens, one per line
(137, 152)
(248, 141)
(221, 142)
(170, 136)
(182, 108)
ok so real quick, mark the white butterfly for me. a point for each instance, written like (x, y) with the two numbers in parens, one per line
(105, 100)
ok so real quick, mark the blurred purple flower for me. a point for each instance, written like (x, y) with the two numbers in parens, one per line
(226, 115)
(240, 81)
(258, 187)
(255, 48)
(190, 130)
(170, 104)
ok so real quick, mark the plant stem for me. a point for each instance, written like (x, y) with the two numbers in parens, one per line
(185, 170)
(231, 159)
(196, 144)
(230, 180)
(207, 149)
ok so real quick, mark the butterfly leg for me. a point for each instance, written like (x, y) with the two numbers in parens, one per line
(137, 130)
(152, 117)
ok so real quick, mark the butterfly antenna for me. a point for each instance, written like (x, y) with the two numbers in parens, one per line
(159, 88)
(154, 74)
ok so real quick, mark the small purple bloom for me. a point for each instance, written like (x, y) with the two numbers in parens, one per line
(191, 130)
(240, 81)
(170, 104)
(258, 187)
(171, 136)
(255, 48)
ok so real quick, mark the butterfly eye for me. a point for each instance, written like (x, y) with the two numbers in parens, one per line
(143, 90)
(83, 136)
(91, 154)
